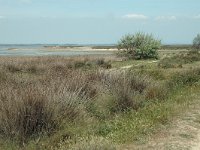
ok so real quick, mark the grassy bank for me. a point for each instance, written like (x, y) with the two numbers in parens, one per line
(86, 103)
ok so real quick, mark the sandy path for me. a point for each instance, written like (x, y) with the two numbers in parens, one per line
(129, 66)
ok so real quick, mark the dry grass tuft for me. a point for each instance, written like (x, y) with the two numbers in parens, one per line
(27, 111)
(126, 88)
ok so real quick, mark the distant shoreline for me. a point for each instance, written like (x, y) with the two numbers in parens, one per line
(107, 48)
(78, 48)
(82, 48)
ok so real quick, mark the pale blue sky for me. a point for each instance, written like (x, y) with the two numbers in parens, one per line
(97, 21)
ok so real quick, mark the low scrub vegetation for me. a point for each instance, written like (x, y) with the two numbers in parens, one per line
(62, 103)
(186, 77)
(179, 60)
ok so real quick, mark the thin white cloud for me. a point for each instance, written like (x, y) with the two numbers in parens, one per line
(164, 18)
(135, 16)
(197, 17)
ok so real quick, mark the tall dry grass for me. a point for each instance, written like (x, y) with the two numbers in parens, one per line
(38, 94)
(124, 87)
(29, 110)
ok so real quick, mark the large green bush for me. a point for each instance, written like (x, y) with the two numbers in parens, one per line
(139, 46)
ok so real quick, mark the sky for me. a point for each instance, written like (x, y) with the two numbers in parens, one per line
(97, 21)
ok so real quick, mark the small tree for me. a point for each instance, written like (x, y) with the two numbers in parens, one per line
(139, 46)
(196, 42)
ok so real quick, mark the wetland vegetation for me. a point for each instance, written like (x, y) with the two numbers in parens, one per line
(55, 102)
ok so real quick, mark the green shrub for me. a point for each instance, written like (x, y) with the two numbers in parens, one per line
(139, 46)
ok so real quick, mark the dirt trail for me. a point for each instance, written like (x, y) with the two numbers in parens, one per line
(183, 133)
(129, 66)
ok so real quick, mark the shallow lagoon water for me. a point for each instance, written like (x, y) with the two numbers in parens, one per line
(35, 50)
